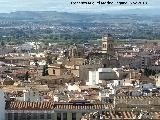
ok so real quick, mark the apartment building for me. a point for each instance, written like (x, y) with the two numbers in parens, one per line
(51, 111)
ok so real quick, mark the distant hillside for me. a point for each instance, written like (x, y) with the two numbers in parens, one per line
(123, 16)
(42, 16)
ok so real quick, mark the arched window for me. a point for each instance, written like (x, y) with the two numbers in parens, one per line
(103, 45)
(110, 45)
(61, 82)
(53, 71)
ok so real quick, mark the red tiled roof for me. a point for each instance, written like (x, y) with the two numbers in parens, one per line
(121, 115)
(29, 105)
(137, 97)
(16, 105)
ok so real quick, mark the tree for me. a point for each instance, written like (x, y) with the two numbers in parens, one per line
(2, 43)
(146, 72)
(27, 75)
(149, 72)
(153, 72)
(140, 71)
(49, 58)
(45, 70)
(155, 43)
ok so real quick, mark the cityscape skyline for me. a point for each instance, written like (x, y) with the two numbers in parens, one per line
(79, 60)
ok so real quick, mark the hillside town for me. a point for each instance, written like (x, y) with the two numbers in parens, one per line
(87, 81)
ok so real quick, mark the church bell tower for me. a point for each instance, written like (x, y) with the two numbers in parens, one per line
(107, 45)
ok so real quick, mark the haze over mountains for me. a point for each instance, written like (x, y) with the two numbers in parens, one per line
(77, 17)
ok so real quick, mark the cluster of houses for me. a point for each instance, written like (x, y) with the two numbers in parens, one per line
(86, 82)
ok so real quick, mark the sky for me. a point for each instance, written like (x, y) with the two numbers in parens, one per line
(7, 6)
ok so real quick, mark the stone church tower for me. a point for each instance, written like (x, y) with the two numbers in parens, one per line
(107, 45)
(73, 51)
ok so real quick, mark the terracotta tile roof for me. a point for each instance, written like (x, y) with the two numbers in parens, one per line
(137, 97)
(121, 115)
(84, 106)
(16, 105)
(29, 105)
(118, 115)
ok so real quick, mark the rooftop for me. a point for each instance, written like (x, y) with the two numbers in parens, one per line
(16, 105)
(120, 115)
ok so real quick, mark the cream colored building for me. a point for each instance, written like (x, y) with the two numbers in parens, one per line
(51, 111)
(56, 69)
(68, 66)
(157, 80)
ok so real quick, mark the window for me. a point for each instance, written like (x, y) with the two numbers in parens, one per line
(104, 65)
(110, 45)
(83, 114)
(64, 116)
(104, 45)
(119, 82)
(61, 82)
(34, 116)
(53, 71)
(15, 116)
(42, 116)
(22, 115)
(49, 116)
(73, 116)
(28, 116)
(9, 116)
(58, 116)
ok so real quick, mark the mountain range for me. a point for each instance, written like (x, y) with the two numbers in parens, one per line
(79, 17)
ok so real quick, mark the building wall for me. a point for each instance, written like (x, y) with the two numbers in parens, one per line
(30, 115)
(111, 62)
(92, 78)
(107, 76)
(43, 115)
(2, 105)
(96, 77)
(131, 62)
(139, 101)
(157, 79)
(146, 61)
(84, 71)
(55, 71)
(32, 96)
(75, 72)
